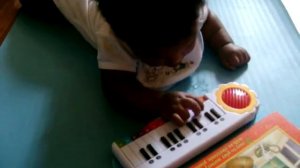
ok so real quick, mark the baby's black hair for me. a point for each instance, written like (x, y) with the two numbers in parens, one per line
(151, 23)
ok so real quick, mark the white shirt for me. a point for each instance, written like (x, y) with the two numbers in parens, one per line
(86, 17)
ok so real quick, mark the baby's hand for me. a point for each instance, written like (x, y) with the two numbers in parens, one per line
(175, 106)
(233, 56)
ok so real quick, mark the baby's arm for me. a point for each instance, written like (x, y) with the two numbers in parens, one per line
(215, 34)
(121, 87)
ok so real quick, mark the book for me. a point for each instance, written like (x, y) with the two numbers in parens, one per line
(273, 142)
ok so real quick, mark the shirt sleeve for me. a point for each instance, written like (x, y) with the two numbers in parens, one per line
(77, 13)
(86, 17)
(203, 13)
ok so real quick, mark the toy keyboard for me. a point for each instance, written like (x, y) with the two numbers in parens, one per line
(163, 144)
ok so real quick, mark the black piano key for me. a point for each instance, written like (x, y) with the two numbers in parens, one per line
(151, 149)
(172, 137)
(179, 134)
(191, 126)
(215, 113)
(208, 116)
(197, 123)
(165, 142)
(145, 154)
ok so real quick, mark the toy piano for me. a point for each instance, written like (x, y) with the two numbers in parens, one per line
(163, 144)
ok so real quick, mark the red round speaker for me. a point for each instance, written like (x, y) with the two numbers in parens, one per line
(236, 98)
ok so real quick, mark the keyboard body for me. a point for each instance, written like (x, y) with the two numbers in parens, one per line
(171, 146)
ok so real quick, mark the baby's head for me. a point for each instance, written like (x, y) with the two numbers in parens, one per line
(159, 32)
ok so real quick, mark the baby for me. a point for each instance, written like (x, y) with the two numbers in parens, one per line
(144, 47)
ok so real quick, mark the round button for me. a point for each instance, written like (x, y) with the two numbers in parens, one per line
(236, 98)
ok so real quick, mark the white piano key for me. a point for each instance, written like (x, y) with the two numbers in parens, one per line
(174, 139)
(179, 134)
(140, 142)
(215, 113)
(197, 123)
(152, 150)
(148, 141)
(203, 120)
(211, 105)
(191, 126)
(121, 156)
(143, 142)
(130, 152)
(185, 131)
(154, 138)
(192, 115)
(168, 127)
(209, 117)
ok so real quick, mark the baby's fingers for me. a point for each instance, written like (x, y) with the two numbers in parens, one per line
(192, 104)
(180, 117)
(228, 65)
(243, 57)
(177, 119)
(246, 57)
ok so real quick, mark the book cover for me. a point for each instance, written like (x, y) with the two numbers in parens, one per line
(273, 142)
